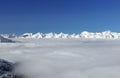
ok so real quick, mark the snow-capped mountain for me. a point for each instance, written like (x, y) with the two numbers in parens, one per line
(84, 35)
(2, 39)
(9, 35)
(102, 35)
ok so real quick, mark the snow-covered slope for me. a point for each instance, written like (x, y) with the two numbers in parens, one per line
(84, 34)
(9, 35)
(2, 39)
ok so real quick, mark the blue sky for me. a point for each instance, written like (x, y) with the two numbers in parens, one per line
(68, 16)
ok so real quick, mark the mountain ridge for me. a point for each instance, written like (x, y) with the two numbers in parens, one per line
(85, 34)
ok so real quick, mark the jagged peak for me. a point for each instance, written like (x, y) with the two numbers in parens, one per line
(85, 34)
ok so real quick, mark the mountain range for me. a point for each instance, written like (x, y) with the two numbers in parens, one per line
(85, 35)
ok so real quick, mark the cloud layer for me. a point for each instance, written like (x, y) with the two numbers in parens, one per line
(61, 58)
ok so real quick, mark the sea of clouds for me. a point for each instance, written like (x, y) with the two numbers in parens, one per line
(64, 58)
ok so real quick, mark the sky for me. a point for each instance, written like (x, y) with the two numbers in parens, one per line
(67, 16)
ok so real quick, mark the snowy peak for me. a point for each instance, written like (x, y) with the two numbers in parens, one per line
(49, 35)
(83, 35)
(102, 35)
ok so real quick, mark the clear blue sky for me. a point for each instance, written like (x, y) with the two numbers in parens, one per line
(68, 16)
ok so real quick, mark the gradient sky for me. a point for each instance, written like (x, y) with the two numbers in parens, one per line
(68, 16)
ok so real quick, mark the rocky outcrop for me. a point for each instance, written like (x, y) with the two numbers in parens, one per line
(7, 70)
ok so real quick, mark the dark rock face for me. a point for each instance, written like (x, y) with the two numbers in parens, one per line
(5, 65)
(7, 70)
